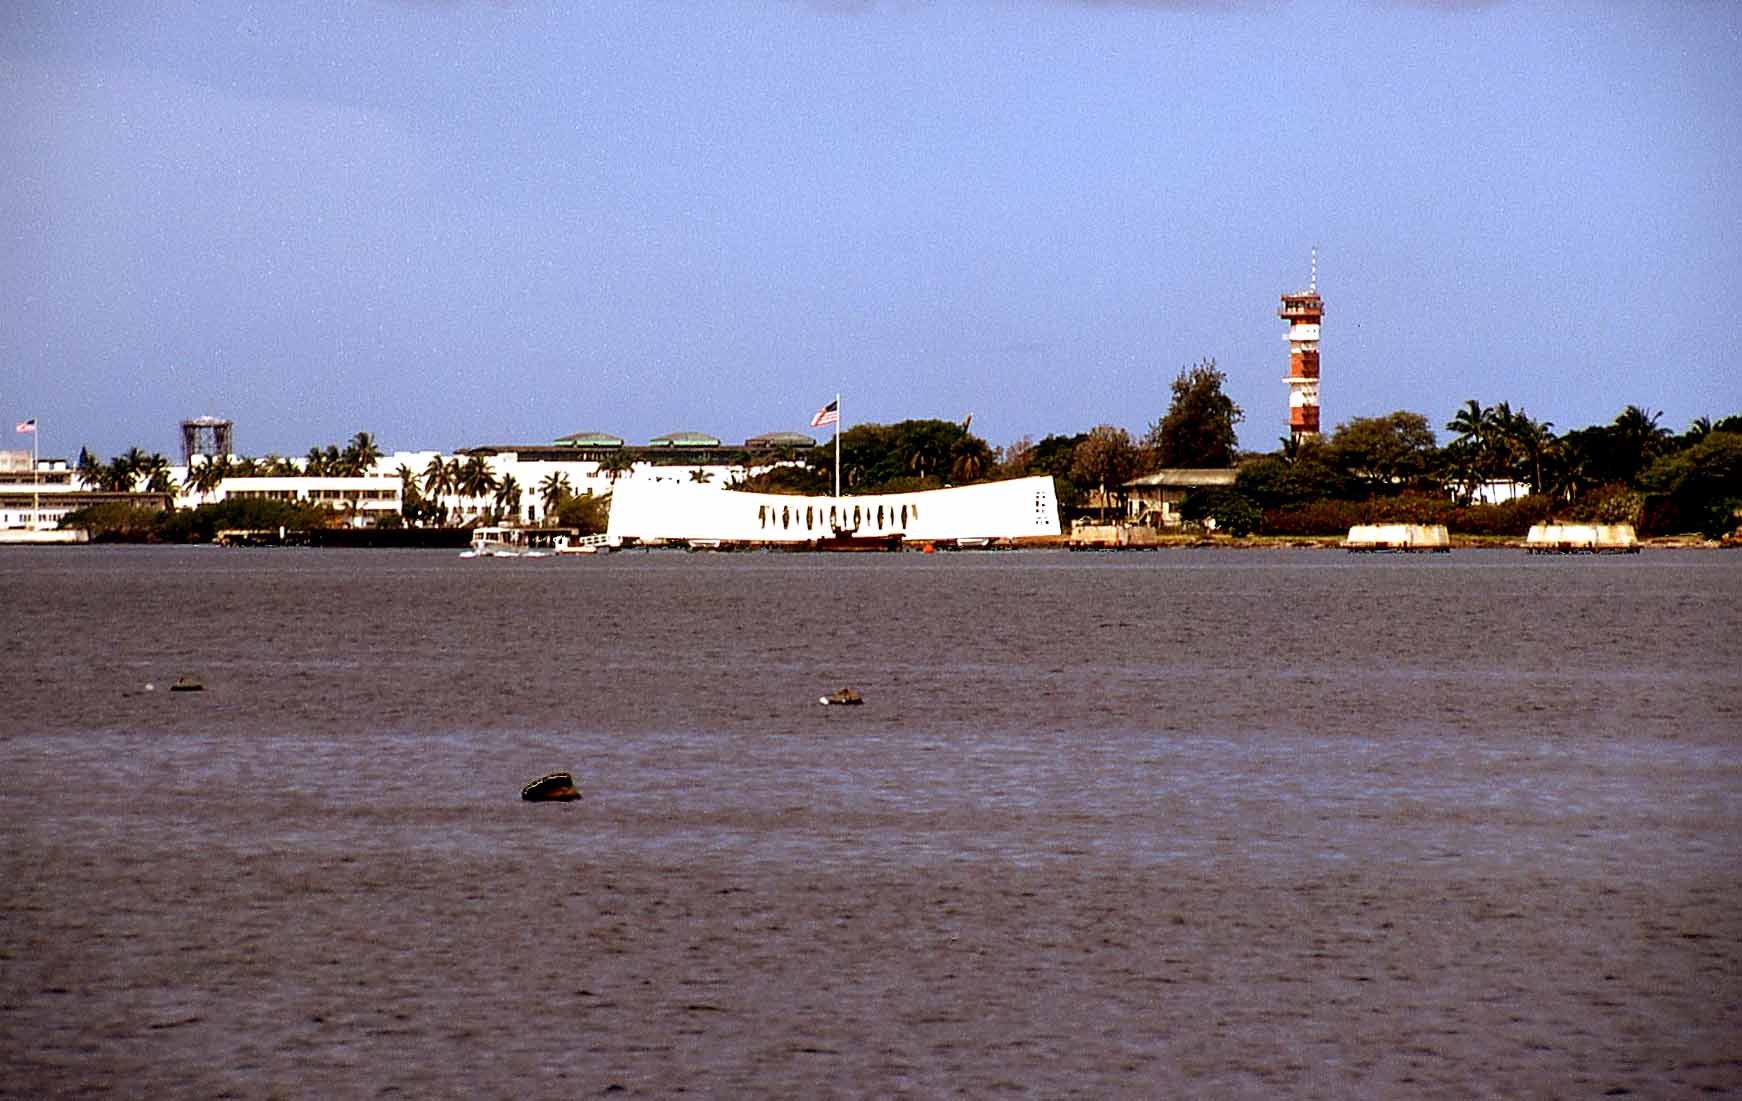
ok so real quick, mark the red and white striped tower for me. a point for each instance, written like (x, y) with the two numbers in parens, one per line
(1303, 312)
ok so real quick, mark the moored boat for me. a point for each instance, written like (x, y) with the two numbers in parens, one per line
(514, 542)
(849, 540)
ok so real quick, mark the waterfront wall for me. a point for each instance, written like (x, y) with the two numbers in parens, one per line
(674, 511)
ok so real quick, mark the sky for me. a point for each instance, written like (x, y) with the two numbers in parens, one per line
(461, 222)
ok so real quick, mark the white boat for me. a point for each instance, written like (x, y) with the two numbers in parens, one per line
(510, 542)
(583, 544)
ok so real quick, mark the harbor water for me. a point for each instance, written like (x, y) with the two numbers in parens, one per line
(1186, 823)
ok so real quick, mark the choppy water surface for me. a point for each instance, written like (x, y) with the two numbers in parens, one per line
(1215, 823)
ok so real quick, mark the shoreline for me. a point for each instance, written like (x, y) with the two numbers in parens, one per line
(450, 539)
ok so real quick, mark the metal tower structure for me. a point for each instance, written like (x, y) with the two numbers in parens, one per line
(209, 436)
(1303, 312)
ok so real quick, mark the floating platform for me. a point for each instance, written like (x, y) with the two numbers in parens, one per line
(1398, 539)
(1582, 539)
(44, 537)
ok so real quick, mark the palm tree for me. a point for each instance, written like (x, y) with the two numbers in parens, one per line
(700, 475)
(1638, 438)
(116, 475)
(1530, 441)
(616, 464)
(1471, 423)
(438, 480)
(554, 491)
(1460, 468)
(90, 469)
(475, 479)
(363, 452)
(156, 471)
(409, 498)
(204, 477)
(969, 459)
(315, 463)
(1640, 424)
(508, 496)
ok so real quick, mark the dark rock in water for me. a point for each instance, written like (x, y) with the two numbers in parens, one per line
(845, 696)
(187, 684)
(558, 787)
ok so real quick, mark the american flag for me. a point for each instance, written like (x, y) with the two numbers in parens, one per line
(26, 426)
(828, 414)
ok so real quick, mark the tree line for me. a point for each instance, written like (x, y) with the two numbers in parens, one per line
(1389, 468)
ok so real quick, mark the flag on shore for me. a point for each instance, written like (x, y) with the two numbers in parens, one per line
(26, 426)
(828, 414)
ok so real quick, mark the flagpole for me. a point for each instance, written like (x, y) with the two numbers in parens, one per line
(35, 477)
(837, 445)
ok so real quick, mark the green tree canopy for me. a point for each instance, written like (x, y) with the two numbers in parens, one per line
(907, 454)
(1198, 428)
(1304, 472)
(795, 479)
(1106, 459)
(1231, 510)
(1385, 454)
(1702, 483)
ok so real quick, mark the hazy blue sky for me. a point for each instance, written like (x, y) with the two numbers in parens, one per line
(469, 222)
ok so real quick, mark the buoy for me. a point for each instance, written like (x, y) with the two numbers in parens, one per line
(845, 697)
(557, 787)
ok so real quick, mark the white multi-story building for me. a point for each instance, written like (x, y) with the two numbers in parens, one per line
(36, 494)
(595, 463)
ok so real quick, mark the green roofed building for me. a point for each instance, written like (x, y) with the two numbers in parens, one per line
(684, 439)
(777, 440)
(590, 439)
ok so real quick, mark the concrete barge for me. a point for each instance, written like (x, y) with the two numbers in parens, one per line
(1582, 539)
(1398, 539)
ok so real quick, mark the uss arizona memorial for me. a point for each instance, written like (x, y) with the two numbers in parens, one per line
(671, 512)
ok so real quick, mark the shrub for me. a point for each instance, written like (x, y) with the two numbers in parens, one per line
(1324, 517)
(117, 522)
(1232, 511)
